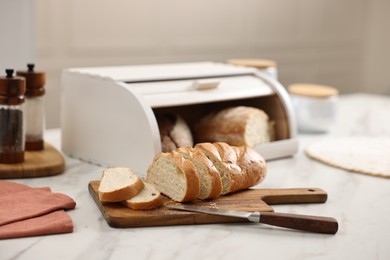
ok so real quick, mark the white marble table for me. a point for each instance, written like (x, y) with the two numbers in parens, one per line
(360, 203)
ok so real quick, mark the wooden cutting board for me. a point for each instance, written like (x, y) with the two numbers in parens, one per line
(47, 162)
(119, 216)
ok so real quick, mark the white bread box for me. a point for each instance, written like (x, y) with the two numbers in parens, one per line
(108, 113)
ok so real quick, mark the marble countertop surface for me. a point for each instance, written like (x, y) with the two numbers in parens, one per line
(360, 203)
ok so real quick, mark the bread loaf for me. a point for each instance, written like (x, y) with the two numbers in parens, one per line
(206, 171)
(174, 176)
(239, 167)
(148, 198)
(118, 184)
(238, 126)
(174, 132)
(210, 179)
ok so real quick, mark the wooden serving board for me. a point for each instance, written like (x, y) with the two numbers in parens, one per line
(119, 216)
(47, 162)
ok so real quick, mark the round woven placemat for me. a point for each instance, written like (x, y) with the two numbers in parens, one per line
(366, 155)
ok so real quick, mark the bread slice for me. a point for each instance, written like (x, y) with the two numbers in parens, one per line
(118, 184)
(148, 198)
(174, 176)
(210, 179)
(237, 166)
(236, 126)
(226, 169)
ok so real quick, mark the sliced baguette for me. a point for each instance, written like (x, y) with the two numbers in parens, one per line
(210, 179)
(235, 165)
(227, 170)
(174, 176)
(148, 198)
(118, 184)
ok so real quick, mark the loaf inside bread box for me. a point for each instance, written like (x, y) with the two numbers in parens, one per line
(112, 115)
(225, 121)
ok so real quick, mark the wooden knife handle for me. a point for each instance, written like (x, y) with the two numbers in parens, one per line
(309, 223)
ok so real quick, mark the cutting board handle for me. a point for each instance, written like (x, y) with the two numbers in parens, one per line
(294, 196)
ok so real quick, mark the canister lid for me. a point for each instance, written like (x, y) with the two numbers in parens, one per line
(12, 88)
(313, 90)
(35, 80)
(256, 63)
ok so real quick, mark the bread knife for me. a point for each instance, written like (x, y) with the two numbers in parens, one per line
(317, 224)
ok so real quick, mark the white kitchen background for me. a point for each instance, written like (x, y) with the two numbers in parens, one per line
(342, 43)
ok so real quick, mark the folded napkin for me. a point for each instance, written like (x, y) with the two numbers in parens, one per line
(26, 211)
(56, 222)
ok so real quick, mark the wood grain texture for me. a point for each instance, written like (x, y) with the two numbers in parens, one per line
(119, 216)
(46, 162)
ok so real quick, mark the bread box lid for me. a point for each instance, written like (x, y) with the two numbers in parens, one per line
(164, 72)
(185, 83)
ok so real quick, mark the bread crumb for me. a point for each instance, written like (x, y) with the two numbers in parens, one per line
(213, 205)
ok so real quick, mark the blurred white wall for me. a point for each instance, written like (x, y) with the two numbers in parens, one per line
(332, 42)
(17, 44)
(377, 44)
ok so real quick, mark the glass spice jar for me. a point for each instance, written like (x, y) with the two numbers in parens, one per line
(315, 107)
(11, 118)
(34, 108)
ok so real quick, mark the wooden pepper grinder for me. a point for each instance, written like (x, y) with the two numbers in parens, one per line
(11, 118)
(34, 108)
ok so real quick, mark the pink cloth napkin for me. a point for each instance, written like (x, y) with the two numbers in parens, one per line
(26, 211)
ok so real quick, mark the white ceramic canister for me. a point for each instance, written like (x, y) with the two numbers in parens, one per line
(315, 107)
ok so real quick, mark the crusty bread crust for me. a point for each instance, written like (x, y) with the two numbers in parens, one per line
(123, 193)
(146, 205)
(232, 126)
(185, 167)
(191, 177)
(213, 154)
(252, 164)
(229, 158)
(216, 182)
(244, 166)
(213, 176)
(152, 202)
